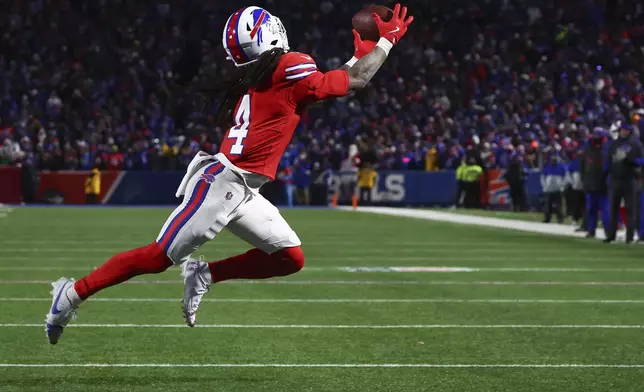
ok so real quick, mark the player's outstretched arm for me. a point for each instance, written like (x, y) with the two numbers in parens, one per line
(364, 69)
(362, 48)
(391, 32)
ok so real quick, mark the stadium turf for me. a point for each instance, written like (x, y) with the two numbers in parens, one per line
(522, 312)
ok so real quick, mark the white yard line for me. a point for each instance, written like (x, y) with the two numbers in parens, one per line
(4, 211)
(347, 326)
(356, 300)
(366, 282)
(90, 268)
(431, 253)
(325, 365)
(500, 223)
(433, 269)
(554, 259)
(226, 243)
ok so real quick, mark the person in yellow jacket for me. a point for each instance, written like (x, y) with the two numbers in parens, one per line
(431, 160)
(366, 181)
(93, 186)
(469, 180)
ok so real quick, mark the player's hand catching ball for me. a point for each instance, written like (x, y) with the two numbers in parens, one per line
(394, 29)
(361, 47)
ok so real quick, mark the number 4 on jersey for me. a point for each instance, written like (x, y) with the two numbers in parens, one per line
(242, 122)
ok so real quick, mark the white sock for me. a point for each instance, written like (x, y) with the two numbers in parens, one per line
(73, 296)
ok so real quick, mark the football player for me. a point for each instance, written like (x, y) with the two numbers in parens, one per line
(266, 98)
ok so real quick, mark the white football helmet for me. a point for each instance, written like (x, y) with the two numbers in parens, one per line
(250, 32)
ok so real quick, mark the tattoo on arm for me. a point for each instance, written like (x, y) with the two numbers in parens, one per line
(363, 70)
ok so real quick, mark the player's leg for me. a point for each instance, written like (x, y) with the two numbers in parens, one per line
(277, 252)
(68, 294)
(641, 227)
(559, 207)
(260, 224)
(592, 201)
(614, 200)
(605, 211)
(187, 228)
(629, 201)
(548, 208)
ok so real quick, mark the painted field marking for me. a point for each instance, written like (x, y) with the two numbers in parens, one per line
(5, 211)
(365, 282)
(431, 252)
(426, 259)
(347, 326)
(436, 269)
(483, 269)
(227, 243)
(355, 300)
(327, 365)
(90, 268)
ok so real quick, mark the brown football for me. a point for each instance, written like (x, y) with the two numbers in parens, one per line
(364, 23)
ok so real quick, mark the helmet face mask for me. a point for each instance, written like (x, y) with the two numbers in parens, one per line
(250, 32)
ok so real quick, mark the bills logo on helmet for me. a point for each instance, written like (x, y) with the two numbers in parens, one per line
(251, 31)
(209, 178)
(259, 17)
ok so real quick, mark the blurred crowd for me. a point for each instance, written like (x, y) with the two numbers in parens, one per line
(95, 84)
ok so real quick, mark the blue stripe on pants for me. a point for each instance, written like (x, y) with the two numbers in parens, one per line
(197, 198)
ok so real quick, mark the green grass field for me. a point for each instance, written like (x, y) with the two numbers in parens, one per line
(529, 309)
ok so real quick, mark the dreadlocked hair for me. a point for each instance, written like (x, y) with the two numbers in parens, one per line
(226, 93)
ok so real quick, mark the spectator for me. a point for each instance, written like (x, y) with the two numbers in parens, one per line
(574, 192)
(553, 182)
(516, 176)
(302, 179)
(366, 181)
(623, 156)
(521, 78)
(431, 160)
(591, 167)
(93, 187)
(469, 175)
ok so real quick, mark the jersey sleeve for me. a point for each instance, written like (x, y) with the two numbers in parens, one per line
(308, 84)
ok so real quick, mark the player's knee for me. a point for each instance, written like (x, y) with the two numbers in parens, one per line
(151, 259)
(294, 256)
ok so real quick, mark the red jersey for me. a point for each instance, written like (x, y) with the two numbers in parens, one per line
(265, 117)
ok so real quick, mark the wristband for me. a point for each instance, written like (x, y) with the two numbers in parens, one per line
(385, 44)
(351, 62)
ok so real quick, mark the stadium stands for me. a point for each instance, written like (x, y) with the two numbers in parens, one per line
(500, 78)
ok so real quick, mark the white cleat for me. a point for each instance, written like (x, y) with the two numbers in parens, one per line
(62, 309)
(196, 283)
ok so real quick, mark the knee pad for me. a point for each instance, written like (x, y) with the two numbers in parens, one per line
(293, 256)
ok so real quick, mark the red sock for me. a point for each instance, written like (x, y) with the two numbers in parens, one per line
(149, 259)
(256, 264)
